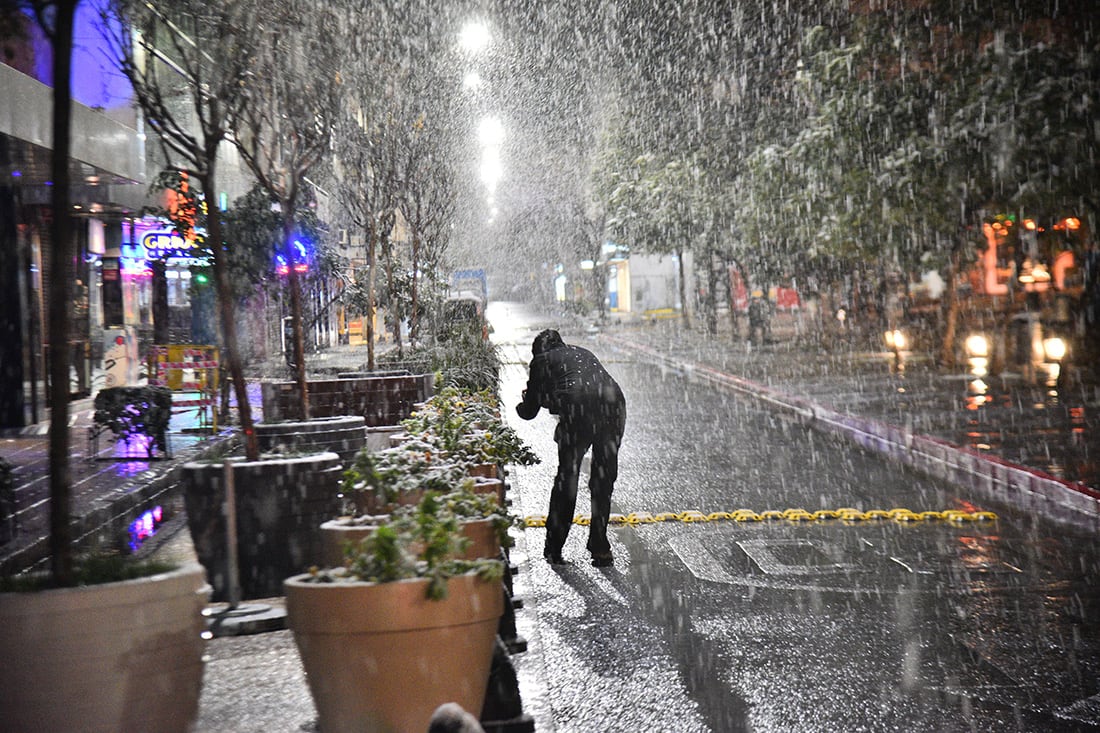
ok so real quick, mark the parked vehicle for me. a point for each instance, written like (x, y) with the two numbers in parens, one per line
(464, 317)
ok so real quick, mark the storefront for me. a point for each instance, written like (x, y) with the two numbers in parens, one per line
(147, 283)
(1030, 256)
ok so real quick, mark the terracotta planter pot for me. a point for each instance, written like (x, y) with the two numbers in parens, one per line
(110, 657)
(486, 470)
(337, 533)
(367, 503)
(493, 486)
(484, 542)
(335, 536)
(382, 657)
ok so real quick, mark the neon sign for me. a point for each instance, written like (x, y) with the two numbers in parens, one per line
(162, 245)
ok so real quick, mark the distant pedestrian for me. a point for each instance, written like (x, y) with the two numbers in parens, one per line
(760, 313)
(571, 383)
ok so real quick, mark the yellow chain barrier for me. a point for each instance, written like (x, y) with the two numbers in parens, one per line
(691, 516)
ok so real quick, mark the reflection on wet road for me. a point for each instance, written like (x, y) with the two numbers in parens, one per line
(779, 625)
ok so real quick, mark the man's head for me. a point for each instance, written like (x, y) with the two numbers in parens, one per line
(548, 339)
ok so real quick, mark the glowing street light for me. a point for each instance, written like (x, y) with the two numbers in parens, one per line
(472, 81)
(491, 135)
(491, 171)
(474, 36)
(491, 132)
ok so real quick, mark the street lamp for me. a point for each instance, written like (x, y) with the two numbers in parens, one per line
(491, 135)
(474, 36)
(1054, 349)
(471, 81)
(977, 352)
(490, 132)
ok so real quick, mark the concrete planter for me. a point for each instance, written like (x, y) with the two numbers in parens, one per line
(344, 435)
(381, 400)
(382, 657)
(281, 503)
(111, 657)
(378, 437)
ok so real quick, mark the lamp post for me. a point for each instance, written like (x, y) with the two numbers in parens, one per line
(474, 36)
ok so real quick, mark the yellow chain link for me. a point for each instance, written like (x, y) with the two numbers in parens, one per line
(691, 516)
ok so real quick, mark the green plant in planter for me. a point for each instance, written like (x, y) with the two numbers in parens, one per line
(92, 569)
(466, 425)
(378, 479)
(423, 543)
(469, 365)
(466, 503)
(131, 411)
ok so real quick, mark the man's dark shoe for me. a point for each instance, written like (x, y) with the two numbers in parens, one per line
(555, 558)
(602, 559)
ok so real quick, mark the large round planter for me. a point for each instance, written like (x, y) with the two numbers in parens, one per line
(337, 533)
(112, 657)
(280, 505)
(383, 657)
(382, 400)
(344, 435)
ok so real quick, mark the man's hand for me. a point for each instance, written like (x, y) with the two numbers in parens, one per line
(525, 410)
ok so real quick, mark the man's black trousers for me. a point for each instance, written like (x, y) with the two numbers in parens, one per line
(574, 438)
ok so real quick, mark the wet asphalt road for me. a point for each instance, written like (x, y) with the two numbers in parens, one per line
(833, 625)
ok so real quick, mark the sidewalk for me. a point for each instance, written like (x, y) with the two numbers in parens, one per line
(109, 492)
(997, 432)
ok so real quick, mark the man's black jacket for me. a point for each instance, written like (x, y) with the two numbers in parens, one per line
(570, 381)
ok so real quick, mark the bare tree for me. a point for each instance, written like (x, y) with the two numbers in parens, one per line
(365, 171)
(293, 94)
(428, 206)
(429, 196)
(389, 135)
(187, 72)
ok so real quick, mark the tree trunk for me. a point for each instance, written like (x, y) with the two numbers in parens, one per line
(951, 312)
(227, 313)
(296, 310)
(61, 275)
(682, 277)
(414, 321)
(712, 297)
(161, 328)
(368, 327)
(599, 283)
(395, 311)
